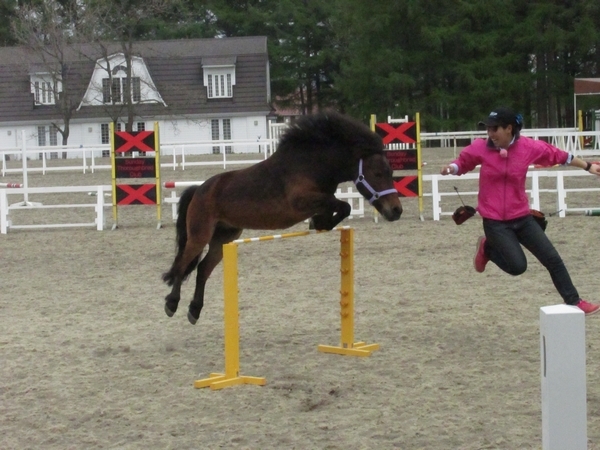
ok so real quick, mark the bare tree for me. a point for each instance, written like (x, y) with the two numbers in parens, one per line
(121, 22)
(47, 31)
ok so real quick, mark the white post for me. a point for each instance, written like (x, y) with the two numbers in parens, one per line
(436, 197)
(562, 348)
(43, 163)
(24, 164)
(535, 190)
(3, 212)
(561, 195)
(99, 208)
(174, 205)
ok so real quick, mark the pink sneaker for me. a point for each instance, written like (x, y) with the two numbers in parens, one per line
(587, 307)
(480, 260)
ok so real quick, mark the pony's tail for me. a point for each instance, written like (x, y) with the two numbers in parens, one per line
(181, 235)
(181, 226)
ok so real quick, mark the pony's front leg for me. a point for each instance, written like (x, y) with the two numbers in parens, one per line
(338, 212)
(172, 300)
(212, 258)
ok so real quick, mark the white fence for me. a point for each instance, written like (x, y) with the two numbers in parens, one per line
(568, 139)
(440, 188)
(90, 155)
(534, 191)
(6, 221)
(96, 157)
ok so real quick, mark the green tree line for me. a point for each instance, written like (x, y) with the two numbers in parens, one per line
(450, 60)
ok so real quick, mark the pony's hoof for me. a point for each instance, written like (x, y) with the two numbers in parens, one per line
(169, 311)
(192, 319)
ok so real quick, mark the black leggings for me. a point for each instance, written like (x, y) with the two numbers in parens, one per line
(503, 247)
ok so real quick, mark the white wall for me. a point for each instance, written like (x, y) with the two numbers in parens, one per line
(182, 131)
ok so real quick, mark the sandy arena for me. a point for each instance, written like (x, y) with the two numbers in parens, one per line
(89, 360)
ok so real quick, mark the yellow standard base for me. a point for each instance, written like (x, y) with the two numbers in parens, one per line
(220, 381)
(357, 349)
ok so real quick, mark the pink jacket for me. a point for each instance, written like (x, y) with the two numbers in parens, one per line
(502, 193)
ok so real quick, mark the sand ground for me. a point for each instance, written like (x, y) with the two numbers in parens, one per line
(89, 360)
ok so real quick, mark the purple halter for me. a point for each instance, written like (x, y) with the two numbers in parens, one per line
(362, 180)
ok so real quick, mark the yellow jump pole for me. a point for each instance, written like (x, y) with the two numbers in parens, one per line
(419, 164)
(347, 344)
(111, 131)
(157, 170)
(231, 377)
(372, 123)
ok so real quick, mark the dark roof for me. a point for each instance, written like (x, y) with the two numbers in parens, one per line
(174, 65)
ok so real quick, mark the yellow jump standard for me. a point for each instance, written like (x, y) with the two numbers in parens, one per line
(232, 376)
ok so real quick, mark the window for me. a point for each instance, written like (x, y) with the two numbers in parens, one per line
(219, 85)
(221, 130)
(43, 93)
(105, 90)
(115, 90)
(214, 128)
(136, 93)
(42, 136)
(104, 133)
(219, 76)
(48, 136)
(53, 132)
(227, 134)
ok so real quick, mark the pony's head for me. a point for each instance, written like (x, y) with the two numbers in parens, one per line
(339, 148)
(374, 181)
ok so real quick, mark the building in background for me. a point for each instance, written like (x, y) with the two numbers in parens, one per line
(197, 90)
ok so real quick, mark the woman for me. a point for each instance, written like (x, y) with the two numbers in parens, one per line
(502, 201)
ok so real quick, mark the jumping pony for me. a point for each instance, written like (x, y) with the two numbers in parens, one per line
(296, 183)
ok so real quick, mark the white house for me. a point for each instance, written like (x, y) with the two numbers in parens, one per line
(197, 90)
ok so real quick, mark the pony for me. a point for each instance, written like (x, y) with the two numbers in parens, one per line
(297, 182)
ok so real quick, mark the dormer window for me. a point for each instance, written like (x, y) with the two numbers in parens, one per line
(219, 76)
(219, 85)
(44, 88)
(43, 92)
(115, 89)
(111, 85)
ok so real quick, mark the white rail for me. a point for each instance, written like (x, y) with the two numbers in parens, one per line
(581, 143)
(6, 208)
(561, 191)
(355, 199)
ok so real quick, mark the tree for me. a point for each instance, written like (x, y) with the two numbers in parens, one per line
(7, 12)
(301, 45)
(118, 26)
(47, 29)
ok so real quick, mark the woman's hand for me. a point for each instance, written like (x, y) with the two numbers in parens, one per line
(448, 170)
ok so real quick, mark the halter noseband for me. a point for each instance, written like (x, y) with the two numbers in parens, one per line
(362, 180)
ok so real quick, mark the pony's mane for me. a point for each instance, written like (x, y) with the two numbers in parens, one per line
(330, 131)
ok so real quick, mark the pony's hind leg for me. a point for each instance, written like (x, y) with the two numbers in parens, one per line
(212, 258)
(171, 278)
(185, 262)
